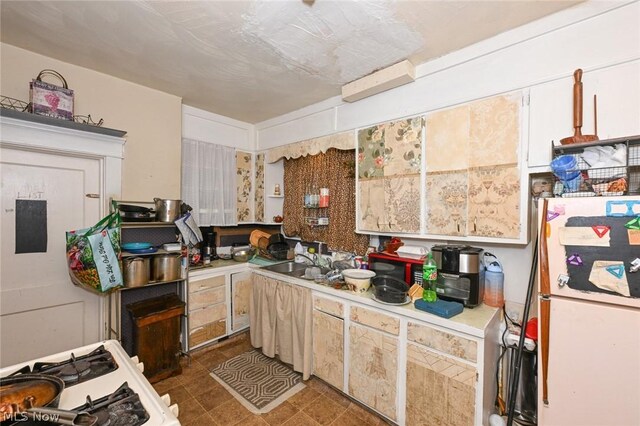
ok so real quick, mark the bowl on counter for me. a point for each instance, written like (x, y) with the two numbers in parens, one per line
(243, 254)
(359, 280)
(388, 289)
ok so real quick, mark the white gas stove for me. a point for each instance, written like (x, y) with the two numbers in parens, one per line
(77, 368)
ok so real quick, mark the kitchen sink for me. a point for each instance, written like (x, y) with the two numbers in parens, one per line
(293, 269)
(289, 268)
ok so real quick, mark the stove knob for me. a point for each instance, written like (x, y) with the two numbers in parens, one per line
(174, 409)
(166, 399)
(135, 359)
(140, 366)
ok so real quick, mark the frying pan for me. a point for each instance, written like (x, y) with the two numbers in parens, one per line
(34, 397)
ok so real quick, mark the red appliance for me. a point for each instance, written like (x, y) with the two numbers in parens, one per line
(402, 268)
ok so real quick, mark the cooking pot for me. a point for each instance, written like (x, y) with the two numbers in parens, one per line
(166, 267)
(277, 238)
(167, 210)
(23, 391)
(390, 289)
(136, 271)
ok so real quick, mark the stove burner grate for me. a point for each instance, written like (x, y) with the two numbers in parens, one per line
(80, 369)
(122, 408)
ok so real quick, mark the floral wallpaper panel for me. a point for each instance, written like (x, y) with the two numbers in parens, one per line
(403, 147)
(390, 149)
(447, 139)
(402, 203)
(259, 195)
(495, 131)
(446, 203)
(494, 202)
(243, 186)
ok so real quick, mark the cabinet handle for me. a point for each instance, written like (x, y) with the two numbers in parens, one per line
(378, 222)
(389, 225)
(474, 223)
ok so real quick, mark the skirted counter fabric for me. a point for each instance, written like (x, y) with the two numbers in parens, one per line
(281, 317)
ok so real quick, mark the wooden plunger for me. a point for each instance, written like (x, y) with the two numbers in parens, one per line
(578, 137)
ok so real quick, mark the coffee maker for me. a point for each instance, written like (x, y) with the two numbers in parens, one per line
(208, 248)
(460, 274)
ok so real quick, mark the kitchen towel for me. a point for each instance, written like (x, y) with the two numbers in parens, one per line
(189, 230)
(441, 308)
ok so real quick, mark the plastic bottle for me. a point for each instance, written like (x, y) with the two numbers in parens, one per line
(298, 250)
(307, 196)
(429, 277)
(315, 196)
(493, 282)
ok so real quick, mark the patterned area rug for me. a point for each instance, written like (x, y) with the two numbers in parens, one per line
(260, 383)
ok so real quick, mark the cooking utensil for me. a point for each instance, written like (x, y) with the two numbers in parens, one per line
(136, 271)
(135, 246)
(578, 137)
(256, 235)
(62, 417)
(545, 303)
(166, 267)
(24, 391)
(389, 289)
(167, 210)
(242, 254)
(133, 209)
(277, 238)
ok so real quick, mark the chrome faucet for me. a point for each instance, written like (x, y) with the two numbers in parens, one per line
(313, 261)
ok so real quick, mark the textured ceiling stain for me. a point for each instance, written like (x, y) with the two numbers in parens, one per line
(335, 41)
(255, 59)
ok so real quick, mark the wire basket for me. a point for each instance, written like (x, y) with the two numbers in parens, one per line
(603, 168)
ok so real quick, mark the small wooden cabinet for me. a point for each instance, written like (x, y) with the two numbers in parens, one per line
(156, 335)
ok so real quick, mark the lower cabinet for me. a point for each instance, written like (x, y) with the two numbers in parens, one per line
(440, 390)
(411, 371)
(373, 368)
(328, 342)
(207, 308)
(240, 298)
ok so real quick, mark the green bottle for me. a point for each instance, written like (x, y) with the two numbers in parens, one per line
(429, 277)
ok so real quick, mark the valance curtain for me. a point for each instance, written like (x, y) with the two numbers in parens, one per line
(209, 182)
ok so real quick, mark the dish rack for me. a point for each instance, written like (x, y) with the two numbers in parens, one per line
(604, 181)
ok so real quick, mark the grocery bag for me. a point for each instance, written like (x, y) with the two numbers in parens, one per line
(93, 256)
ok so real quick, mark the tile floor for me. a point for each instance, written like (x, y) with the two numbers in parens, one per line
(203, 401)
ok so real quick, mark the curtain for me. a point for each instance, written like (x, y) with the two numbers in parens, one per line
(209, 182)
(335, 170)
(281, 321)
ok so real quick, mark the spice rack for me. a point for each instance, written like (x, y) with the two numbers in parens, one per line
(316, 205)
(623, 179)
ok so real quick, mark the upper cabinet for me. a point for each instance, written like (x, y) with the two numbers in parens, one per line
(244, 186)
(389, 166)
(468, 181)
(472, 182)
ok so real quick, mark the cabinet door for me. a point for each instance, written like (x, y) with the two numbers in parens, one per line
(240, 296)
(446, 202)
(328, 348)
(440, 390)
(402, 203)
(494, 202)
(372, 213)
(373, 368)
(244, 190)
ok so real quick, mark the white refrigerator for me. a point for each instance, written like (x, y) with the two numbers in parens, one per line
(589, 307)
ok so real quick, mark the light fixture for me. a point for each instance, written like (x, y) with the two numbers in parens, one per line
(387, 78)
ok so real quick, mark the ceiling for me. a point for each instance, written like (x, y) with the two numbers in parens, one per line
(254, 60)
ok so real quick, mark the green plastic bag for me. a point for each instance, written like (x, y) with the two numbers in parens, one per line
(93, 256)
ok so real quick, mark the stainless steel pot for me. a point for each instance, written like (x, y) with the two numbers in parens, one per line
(136, 271)
(167, 210)
(166, 267)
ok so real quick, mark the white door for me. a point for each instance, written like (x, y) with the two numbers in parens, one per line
(41, 311)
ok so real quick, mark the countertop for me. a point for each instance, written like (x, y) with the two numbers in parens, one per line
(473, 321)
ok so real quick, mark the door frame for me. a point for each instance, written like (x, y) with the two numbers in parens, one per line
(90, 143)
